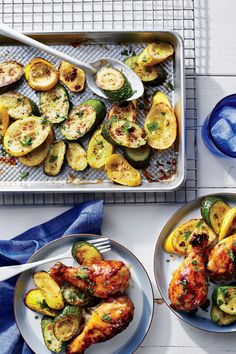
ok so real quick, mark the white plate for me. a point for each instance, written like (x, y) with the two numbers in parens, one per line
(140, 292)
(165, 265)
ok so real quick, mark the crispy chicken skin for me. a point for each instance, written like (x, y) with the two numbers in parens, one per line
(188, 287)
(221, 262)
(111, 317)
(102, 279)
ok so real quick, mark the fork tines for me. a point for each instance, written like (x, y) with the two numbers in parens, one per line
(102, 244)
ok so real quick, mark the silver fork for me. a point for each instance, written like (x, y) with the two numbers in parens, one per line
(102, 244)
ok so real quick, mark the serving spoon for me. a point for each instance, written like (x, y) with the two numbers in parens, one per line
(90, 68)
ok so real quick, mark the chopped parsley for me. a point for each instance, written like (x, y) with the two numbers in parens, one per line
(231, 255)
(56, 98)
(163, 113)
(20, 100)
(80, 114)
(196, 269)
(187, 234)
(43, 304)
(198, 224)
(219, 302)
(27, 141)
(170, 86)
(4, 153)
(49, 341)
(36, 317)
(43, 120)
(24, 176)
(141, 105)
(152, 126)
(183, 283)
(194, 262)
(106, 317)
(82, 276)
(126, 127)
(53, 158)
(124, 52)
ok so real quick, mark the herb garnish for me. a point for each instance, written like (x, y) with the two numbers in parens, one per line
(82, 276)
(183, 282)
(53, 158)
(43, 120)
(152, 126)
(198, 224)
(19, 100)
(4, 153)
(80, 114)
(26, 141)
(126, 127)
(141, 105)
(187, 234)
(194, 262)
(24, 176)
(106, 317)
(163, 113)
(231, 255)
(170, 86)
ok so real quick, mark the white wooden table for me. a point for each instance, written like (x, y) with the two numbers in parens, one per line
(137, 227)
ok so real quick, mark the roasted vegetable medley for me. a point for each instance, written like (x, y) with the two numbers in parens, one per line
(209, 245)
(53, 133)
(81, 305)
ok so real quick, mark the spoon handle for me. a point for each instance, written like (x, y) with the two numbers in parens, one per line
(10, 32)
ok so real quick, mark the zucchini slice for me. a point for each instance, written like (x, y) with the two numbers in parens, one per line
(51, 342)
(124, 110)
(67, 324)
(124, 133)
(74, 296)
(51, 290)
(114, 84)
(155, 53)
(76, 156)
(18, 106)
(72, 77)
(85, 253)
(228, 224)
(4, 121)
(11, 74)
(225, 298)
(138, 158)
(150, 75)
(54, 161)
(160, 97)
(220, 317)
(98, 150)
(213, 210)
(178, 240)
(41, 75)
(35, 301)
(83, 118)
(38, 155)
(25, 135)
(120, 171)
(161, 127)
(55, 104)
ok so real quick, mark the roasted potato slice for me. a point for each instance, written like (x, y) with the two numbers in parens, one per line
(51, 290)
(35, 300)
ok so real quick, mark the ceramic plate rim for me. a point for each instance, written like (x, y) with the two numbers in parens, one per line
(31, 259)
(183, 210)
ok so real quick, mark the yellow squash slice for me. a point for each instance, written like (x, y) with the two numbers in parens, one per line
(99, 149)
(228, 225)
(72, 77)
(178, 241)
(4, 120)
(120, 171)
(160, 97)
(38, 155)
(50, 289)
(155, 53)
(35, 300)
(161, 126)
(41, 75)
(25, 135)
(76, 156)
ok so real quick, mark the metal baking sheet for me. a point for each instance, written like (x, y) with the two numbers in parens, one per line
(87, 47)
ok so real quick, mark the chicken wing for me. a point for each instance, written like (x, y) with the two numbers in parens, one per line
(221, 262)
(101, 279)
(188, 287)
(111, 317)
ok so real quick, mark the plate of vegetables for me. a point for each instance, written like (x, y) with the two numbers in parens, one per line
(91, 302)
(91, 140)
(194, 263)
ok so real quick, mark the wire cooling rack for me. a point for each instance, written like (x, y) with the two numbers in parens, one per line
(57, 15)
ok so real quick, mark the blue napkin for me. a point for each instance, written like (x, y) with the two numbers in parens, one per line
(83, 218)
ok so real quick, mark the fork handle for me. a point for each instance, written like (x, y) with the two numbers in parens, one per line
(10, 271)
(10, 32)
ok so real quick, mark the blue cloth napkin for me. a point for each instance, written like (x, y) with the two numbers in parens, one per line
(83, 218)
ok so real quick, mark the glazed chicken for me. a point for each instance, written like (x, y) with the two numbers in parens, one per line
(221, 262)
(188, 287)
(111, 317)
(101, 279)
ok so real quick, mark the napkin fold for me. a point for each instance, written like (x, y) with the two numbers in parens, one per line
(83, 218)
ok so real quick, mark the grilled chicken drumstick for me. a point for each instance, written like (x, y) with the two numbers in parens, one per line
(102, 279)
(188, 287)
(111, 317)
(221, 262)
